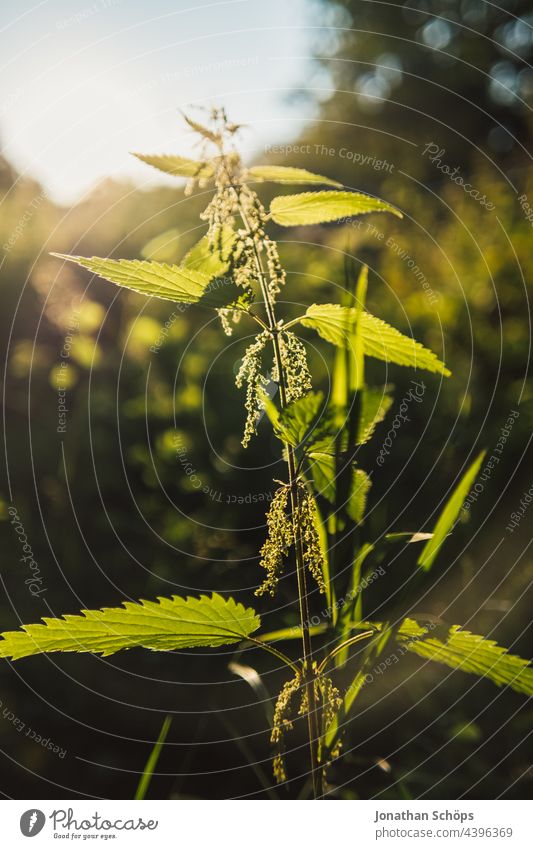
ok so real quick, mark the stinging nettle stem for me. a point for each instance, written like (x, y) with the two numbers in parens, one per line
(309, 675)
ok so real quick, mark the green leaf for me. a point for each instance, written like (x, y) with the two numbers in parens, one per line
(159, 280)
(334, 322)
(349, 366)
(272, 412)
(214, 263)
(324, 431)
(285, 175)
(459, 650)
(469, 653)
(384, 342)
(358, 495)
(352, 608)
(169, 623)
(297, 419)
(151, 763)
(340, 389)
(374, 407)
(319, 207)
(177, 166)
(356, 360)
(324, 471)
(331, 321)
(449, 515)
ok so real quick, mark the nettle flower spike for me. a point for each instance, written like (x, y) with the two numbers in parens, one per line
(234, 201)
(279, 539)
(305, 521)
(250, 373)
(282, 723)
(326, 695)
(282, 530)
(294, 362)
(331, 704)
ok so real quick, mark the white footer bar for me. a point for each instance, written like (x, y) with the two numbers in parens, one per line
(267, 824)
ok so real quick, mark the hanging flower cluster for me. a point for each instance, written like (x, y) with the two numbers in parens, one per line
(326, 694)
(306, 520)
(236, 235)
(294, 362)
(251, 374)
(280, 537)
(282, 723)
(281, 530)
(296, 371)
(235, 209)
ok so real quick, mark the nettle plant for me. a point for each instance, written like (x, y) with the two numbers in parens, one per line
(316, 521)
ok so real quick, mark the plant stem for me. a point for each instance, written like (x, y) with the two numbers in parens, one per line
(275, 652)
(344, 645)
(309, 675)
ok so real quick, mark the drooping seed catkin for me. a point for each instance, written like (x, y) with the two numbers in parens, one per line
(327, 697)
(305, 522)
(279, 539)
(250, 373)
(282, 723)
(295, 368)
(282, 531)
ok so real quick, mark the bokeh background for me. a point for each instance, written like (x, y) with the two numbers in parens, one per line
(365, 92)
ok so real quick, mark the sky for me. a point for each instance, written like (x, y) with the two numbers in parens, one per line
(84, 82)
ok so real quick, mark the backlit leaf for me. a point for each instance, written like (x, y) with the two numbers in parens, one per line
(358, 495)
(297, 419)
(177, 166)
(162, 625)
(333, 322)
(407, 537)
(448, 516)
(374, 406)
(325, 477)
(320, 207)
(469, 653)
(211, 261)
(159, 280)
(151, 763)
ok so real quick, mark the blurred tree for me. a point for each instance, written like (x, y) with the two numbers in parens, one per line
(453, 72)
